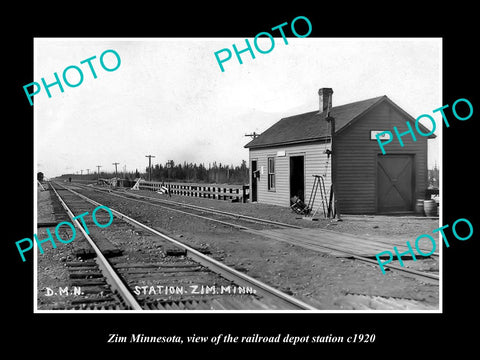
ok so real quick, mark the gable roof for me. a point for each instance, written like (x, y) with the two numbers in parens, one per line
(311, 126)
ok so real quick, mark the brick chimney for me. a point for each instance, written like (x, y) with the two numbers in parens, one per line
(325, 99)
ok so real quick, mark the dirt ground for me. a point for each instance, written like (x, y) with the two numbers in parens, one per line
(366, 225)
(319, 279)
(51, 272)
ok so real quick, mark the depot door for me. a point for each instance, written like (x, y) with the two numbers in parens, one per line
(253, 190)
(297, 177)
(395, 183)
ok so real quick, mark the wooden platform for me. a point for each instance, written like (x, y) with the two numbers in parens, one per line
(373, 302)
(336, 243)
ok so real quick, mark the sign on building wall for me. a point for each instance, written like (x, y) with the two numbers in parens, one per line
(373, 133)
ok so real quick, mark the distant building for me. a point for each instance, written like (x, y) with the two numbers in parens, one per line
(285, 156)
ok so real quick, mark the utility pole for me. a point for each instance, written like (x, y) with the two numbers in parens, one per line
(81, 172)
(331, 120)
(169, 167)
(115, 163)
(98, 172)
(252, 135)
(88, 171)
(116, 176)
(149, 166)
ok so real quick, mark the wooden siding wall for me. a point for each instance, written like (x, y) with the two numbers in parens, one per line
(356, 159)
(315, 162)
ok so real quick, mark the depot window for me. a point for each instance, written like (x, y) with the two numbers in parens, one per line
(271, 173)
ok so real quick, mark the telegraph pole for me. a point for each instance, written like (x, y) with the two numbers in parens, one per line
(115, 163)
(253, 135)
(149, 166)
(88, 171)
(98, 172)
(170, 166)
(116, 176)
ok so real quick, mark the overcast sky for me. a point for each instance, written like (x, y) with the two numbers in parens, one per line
(170, 99)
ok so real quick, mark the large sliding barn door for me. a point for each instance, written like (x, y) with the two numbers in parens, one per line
(395, 183)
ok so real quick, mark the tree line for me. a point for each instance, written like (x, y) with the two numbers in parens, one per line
(186, 172)
(191, 172)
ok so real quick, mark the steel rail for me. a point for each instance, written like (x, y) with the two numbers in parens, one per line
(226, 213)
(260, 221)
(241, 227)
(243, 216)
(358, 257)
(375, 240)
(212, 264)
(253, 219)
(220, 212)
(256, 232)
(110, 274)
(40, 184)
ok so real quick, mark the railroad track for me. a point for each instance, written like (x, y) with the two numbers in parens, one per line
(252, 219)
(122, 267)
(247, 223)
(236, 220)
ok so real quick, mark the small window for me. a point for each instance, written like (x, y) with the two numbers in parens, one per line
(271, 173)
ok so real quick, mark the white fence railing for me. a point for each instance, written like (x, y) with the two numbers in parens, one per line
(236, 193)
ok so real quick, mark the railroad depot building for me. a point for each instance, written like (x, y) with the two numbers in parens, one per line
(284, 158)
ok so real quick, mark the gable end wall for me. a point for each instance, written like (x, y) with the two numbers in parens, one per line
(356, 159)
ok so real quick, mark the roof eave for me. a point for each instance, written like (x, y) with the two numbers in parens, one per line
(285, 143)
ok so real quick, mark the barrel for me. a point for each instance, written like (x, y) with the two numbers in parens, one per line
(430, 207)
(419, 207)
